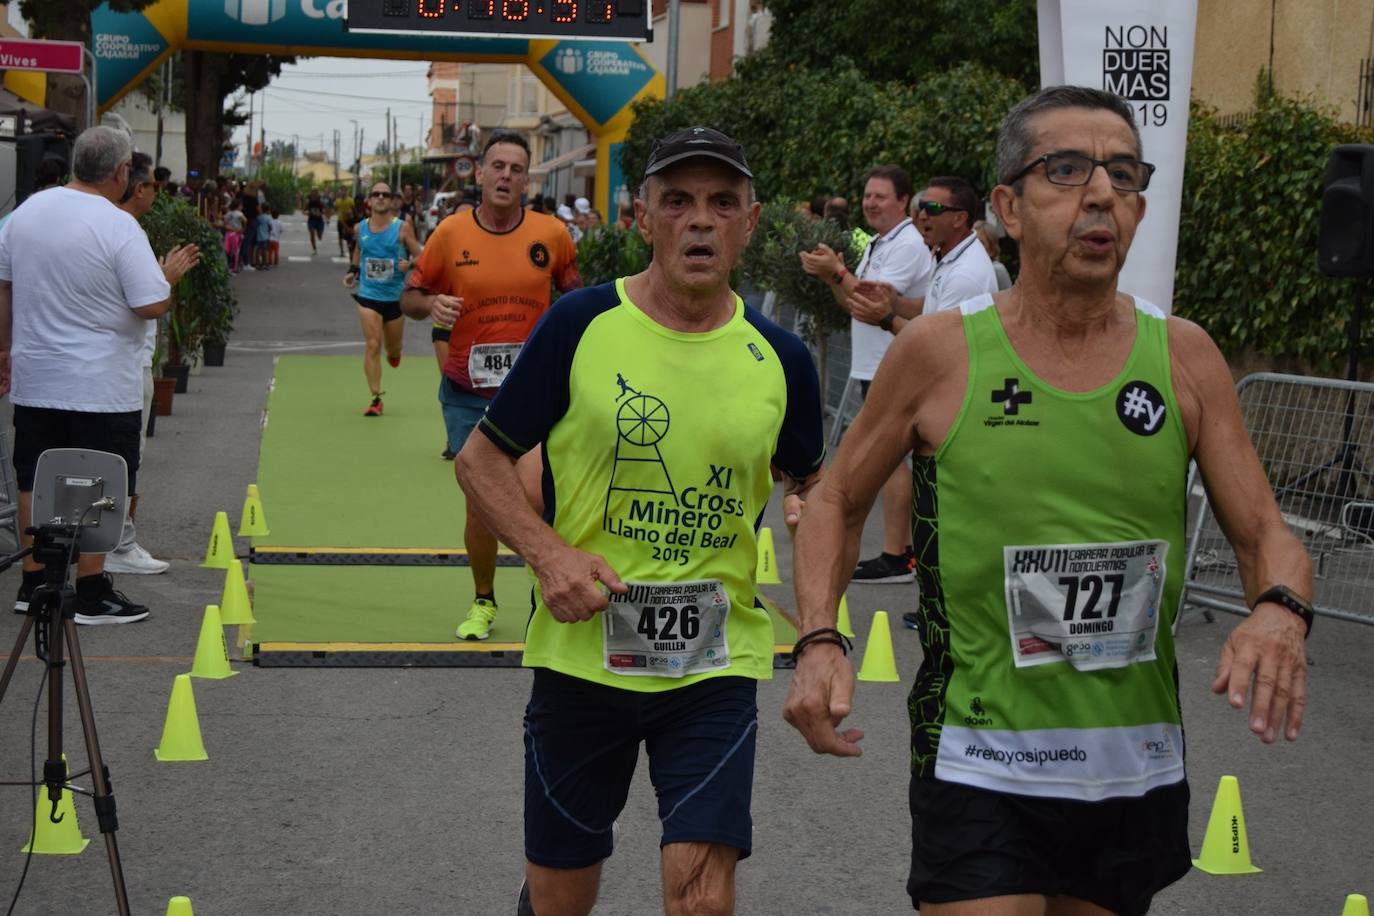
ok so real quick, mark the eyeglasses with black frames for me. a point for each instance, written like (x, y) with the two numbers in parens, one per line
(1075, 170)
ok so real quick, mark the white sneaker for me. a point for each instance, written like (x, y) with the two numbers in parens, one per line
(134, 559)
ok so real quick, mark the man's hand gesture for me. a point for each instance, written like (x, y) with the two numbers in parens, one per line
(1269, 647)
(820, 697)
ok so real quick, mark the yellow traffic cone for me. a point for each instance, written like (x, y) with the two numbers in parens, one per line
(252, 523)
(1356, 905)
(768, 559)
(1225, 849)
(181, 739)
(212, 653)
(179, 906)
(61, 839)
(220, 553)
(234, 607)
(879, 662)
(842, 624)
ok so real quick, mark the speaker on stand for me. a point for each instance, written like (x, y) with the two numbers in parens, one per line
(1345, 248)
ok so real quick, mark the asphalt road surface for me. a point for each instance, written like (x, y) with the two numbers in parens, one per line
(361, 791)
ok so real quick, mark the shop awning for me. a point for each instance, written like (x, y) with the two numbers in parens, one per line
(570, 158)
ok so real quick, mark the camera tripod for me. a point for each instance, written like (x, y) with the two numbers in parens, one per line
(51, 616)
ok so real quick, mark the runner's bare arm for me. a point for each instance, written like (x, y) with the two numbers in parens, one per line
(827, 543)
(568, 578)
(411, 243)
(1268, 646)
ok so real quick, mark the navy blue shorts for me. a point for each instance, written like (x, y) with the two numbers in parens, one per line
(970, 843)
(581, 746)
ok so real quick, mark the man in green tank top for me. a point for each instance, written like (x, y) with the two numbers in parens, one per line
(1052, 425)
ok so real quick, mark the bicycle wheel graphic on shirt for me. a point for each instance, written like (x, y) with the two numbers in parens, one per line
(638, 467)
(642, 420)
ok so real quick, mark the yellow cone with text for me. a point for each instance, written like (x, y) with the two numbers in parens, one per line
(62, 838)
(842, 622)
(220, 553)
(212, 653)
(879, 662)
(181, 739)
(179, 906)
(252, 523)
(234, 607)
(768, 559)
(1356, 905)
(1225, 848)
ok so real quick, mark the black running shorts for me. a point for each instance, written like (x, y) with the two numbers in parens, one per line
(37, 429)
(390, 311)
(970, 843)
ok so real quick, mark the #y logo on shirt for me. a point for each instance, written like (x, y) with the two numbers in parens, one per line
(1141, 408)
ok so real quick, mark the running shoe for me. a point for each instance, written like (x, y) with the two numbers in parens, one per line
(394, 361)
(134, 559)
(109, 606)
(911, 620)
(21, 601)
(477, 625)
(448, 454)
(886, 568)
(375, 408)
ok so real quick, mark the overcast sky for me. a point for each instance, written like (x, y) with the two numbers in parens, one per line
(315, 97)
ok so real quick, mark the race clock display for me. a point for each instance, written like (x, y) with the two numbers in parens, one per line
(615, 20)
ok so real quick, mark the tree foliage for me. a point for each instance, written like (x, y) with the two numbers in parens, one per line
(909, 40)
(809, 131)
(204, 304)
(771, 262)
(1247, 249)
(608, 252)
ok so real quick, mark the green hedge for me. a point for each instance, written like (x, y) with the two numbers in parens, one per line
(1247, 247)
(812, 131)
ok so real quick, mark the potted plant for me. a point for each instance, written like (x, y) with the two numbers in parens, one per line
(771, 262)
(163, 388)
(203, 302)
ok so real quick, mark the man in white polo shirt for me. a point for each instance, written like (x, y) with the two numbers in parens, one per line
(947, 211)
(897, 257)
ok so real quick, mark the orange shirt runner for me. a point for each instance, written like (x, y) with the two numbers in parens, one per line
(505, 281)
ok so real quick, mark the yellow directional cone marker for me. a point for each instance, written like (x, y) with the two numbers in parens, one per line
(181, 739)
(1356, 905)
(843, 624)
(1225, 849)
(179, 906)
(252, 523)
(768, 559)
(879, 662)
(60, 839)
(220, 553)
(212, 653)
(234, 606)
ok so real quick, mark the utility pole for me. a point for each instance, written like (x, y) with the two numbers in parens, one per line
(262, 135)
(358, 163)
(163, 99)
(389, 145)
(395, 154)
(674, 22)
(248, 160)
(336, 160)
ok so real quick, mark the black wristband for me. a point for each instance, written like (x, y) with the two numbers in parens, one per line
(353, 270)
(1285, 596)
(822, 635)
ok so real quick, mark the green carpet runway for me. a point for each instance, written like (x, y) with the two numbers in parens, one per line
(332, 479)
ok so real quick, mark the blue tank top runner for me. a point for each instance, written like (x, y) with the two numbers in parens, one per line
(380, 277)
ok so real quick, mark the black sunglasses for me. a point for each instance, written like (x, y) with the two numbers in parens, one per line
(381, 194)
(934, 209)
(1074, 170)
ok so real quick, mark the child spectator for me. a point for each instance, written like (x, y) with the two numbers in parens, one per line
(233, 233)
(261, 239)
(274, 237)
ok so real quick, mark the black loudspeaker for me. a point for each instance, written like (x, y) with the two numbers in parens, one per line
(41, 157)
(1345, 244)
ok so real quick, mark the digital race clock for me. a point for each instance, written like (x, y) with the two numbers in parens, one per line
(616, 20)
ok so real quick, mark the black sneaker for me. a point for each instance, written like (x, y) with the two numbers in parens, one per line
(911, 620)
(108, 606)
(886, 568)
(522, 906)
(448, 454)
(21, 601)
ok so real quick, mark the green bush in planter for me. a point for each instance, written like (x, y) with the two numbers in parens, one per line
(608, 252)
(204, 304)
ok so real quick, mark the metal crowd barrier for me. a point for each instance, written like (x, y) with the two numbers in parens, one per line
(1315, 439)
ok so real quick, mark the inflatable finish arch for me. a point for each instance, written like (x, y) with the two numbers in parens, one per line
(597, 80)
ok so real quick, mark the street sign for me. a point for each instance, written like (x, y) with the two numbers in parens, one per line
(44, 56)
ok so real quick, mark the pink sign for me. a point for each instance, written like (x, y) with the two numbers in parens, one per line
(47, 56)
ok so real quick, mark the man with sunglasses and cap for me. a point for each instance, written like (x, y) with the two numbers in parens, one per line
(664, 407)
(945, 215)
(488, 276)
(1052, 426)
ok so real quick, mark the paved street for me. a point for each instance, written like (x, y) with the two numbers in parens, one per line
(361, 791)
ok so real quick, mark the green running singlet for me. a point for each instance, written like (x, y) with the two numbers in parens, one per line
(1049, 533)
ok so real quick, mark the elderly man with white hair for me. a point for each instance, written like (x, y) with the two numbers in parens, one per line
(74, 310)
